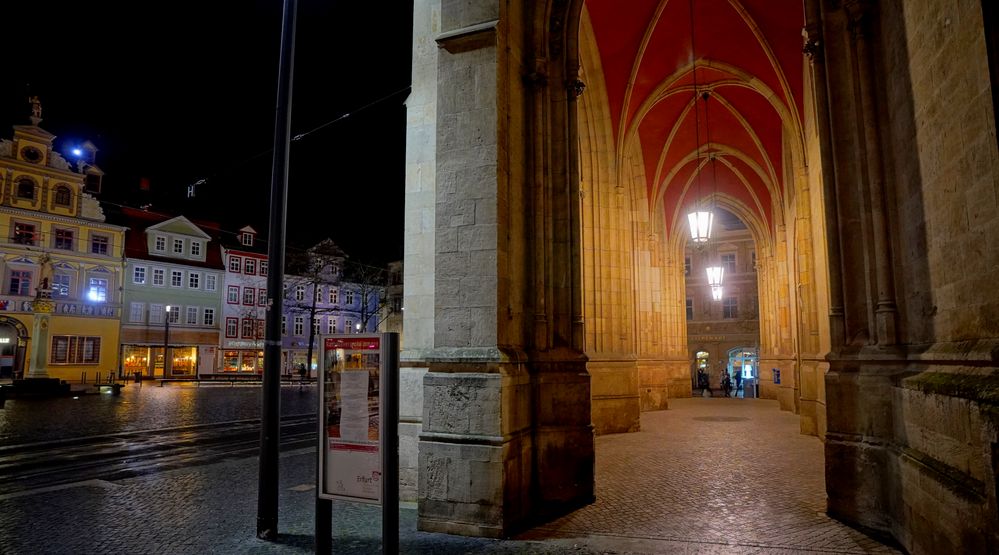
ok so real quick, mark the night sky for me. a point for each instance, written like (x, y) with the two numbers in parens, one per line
(183, 90)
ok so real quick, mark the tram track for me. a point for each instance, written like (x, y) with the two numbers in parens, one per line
(111, 457)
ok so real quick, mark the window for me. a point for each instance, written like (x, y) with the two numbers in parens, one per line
(158, 276)
(299, 325)
(348, 297)
(196, 248)
(176, 278)
(248, 296)
(730, 307)
(178, 246)
(235, 263)
(686, 265)
(331, 325)
(753, 257)
(208, 317)
(192, 315)
(333, 295)
(99, 244)
(136, 312)
(194, 280)
(155, 314)
(300, 293)
(248, 328)
(261, 297)
(20, 283)
(64, 239)
(71, 349)
(230, 327)
(260, 329)
(284, 325)
(60, 285)
(63, 196)
(232, 294)
(246, 239)
(348, 325)
(728, 262)
(263, 268)
(98, 290)
(210, 282)
(139, 274)
(24, 234)
(174, 314)
(315, 325)
(690, 309)
(160, 244)
(250, 267)
(26, 189)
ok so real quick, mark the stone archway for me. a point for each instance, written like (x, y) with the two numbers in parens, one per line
(13, 345)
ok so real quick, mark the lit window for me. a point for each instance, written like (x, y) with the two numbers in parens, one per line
(208, 317)
(60, 285)
(139, 274)
(64, 239)
(20, 283)
(194, 280)
(160, 244)
(98, 290)
(192, 315)
(99, 244)
(250, 266)
(235, 263)
(158, 276)
(299, 325)
(178, 246)
(176, 278)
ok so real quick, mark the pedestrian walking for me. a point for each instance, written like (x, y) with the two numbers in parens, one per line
(738, 381)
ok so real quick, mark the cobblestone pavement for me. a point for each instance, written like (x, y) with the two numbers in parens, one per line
(710, 476)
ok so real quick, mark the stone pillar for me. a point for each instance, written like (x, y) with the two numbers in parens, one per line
(39, 363)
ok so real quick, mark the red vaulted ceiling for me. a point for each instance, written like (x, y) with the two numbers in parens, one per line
(748, 58)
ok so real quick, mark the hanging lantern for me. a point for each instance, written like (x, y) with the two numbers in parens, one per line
(716, 292)
(700, 225)
(715, 275)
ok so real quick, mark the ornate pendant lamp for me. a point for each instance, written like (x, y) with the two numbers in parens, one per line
(716, 274)
(716, 293)
(700, 219)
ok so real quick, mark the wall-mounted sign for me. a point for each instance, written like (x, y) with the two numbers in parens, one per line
(4, 340)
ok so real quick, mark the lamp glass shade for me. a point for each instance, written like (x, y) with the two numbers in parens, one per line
(716, 292)
(700, 225)
(715, 275)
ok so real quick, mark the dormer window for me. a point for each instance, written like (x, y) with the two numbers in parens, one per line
(246, 239)
(195, 248)
(26, 189)
(178, 246)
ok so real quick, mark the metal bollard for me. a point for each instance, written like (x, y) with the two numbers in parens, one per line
(83, 377)
(97, 378)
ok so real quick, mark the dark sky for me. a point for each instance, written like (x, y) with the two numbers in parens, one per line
(183, 90)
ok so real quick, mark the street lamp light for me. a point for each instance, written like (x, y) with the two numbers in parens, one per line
(166, 341)
(358, 327)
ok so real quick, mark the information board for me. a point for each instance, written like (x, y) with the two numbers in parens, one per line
(350, 381)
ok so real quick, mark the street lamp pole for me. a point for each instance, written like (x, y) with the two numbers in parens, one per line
(166, 341)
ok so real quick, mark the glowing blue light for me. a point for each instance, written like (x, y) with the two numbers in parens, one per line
(92, 295)
(77, 152)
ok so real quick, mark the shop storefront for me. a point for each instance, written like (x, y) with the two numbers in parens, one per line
(243, 360)
(147, 361)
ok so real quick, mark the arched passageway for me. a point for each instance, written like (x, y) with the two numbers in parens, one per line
(555, 148)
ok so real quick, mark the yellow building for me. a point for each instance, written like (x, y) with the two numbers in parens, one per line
(60, 263)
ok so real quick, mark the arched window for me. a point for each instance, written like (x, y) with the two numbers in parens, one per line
(63, 196)
(26, 188)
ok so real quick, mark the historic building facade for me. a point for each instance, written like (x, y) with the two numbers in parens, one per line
(554, 149)
(244, 303)
(61, 262)
(169, 262)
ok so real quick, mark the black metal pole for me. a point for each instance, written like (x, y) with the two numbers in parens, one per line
(166, 342)
(389, 392)
(270, 407)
